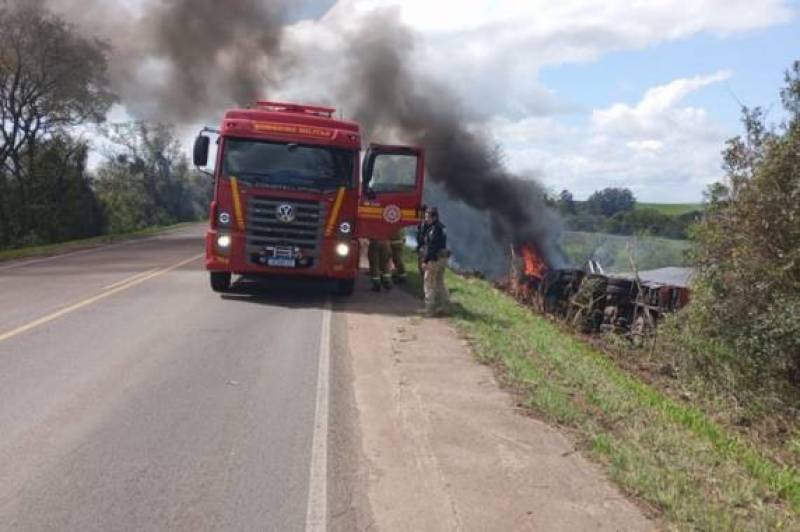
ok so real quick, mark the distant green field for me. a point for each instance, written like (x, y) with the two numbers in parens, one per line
(672, 209)
(615, 252)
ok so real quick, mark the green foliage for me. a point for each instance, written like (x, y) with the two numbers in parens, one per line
(146, 179)
(667, 220)
(611, 201)
(748, 244)
(675, 209)
(566, 202)
(51, 79)
(614, 252)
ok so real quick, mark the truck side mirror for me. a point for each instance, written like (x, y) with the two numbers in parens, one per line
(201, 144)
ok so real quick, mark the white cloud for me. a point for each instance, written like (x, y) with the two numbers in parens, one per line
(661, 148)
(491, 51)
(657, 111)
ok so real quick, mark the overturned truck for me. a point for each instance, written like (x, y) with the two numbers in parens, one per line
(592, 300)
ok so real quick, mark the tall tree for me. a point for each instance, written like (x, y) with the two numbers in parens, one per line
(52, 78)
(566, 202)
(610, 201)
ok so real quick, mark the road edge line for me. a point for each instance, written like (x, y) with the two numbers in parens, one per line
(317, 509)
(86, 302)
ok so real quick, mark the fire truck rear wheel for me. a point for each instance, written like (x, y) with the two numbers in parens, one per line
(345, 287)
(220, 281)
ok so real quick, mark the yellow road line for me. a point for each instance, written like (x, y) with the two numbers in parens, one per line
(128, 279)
(94, 299)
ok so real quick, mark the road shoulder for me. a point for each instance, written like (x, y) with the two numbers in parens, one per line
(443, 445)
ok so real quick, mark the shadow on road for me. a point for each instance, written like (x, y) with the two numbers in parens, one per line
(314, 293)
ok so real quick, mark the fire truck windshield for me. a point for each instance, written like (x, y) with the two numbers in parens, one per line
(288, 165)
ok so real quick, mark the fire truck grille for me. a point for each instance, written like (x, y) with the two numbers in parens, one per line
(266, 230)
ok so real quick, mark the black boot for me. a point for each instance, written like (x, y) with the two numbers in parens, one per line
(376, 285)
(387, 283)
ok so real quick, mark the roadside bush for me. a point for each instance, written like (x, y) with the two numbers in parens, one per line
(146, 179)
(747, 246)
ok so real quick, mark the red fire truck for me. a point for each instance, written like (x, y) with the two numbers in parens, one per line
(293, 194)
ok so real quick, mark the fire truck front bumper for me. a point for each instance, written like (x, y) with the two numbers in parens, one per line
(228, 252)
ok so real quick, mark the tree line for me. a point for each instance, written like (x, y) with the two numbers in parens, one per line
(615, 211)
(54, 90)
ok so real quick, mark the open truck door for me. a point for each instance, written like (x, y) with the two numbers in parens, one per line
(391, 197)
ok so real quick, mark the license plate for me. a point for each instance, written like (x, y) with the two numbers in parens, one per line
(281, 263)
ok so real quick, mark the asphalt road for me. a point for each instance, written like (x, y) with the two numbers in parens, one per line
(134, 398)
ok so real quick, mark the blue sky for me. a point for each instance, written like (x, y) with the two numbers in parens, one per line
(756, 59)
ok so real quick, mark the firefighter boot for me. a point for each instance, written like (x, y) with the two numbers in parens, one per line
(376, 284)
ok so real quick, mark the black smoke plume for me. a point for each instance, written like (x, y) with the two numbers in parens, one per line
(184, 61)
(390, 97)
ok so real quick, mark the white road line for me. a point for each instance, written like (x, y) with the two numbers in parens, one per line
(317, 510)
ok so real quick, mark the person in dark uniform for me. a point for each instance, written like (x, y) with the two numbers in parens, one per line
(435, 261)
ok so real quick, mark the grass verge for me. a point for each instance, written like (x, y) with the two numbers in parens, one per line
(614, 251)
(672, 209)
(75, 245)
(690, 471)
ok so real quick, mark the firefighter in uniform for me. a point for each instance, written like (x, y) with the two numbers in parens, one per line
(378, 255)
(397, 244)
(434, 263)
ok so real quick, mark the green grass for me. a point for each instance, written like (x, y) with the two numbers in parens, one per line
(672, 209)
(74, 245)
(614, 251)
(690, 471)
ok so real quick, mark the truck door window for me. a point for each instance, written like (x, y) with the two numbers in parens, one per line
(394, 173)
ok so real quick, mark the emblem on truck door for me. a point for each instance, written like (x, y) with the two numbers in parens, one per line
(392, 214)
(285, 213)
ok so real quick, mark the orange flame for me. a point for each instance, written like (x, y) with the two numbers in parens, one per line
(534, 265)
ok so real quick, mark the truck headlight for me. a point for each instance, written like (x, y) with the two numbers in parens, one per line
(224, 218)
(224, 242)
(345, 228)
(342, 249)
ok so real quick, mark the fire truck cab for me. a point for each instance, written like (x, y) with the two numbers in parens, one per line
(293, 193)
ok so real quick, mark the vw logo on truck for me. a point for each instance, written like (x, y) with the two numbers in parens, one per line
(285, 213)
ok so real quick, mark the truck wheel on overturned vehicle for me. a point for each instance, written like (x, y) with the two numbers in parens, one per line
(220, 281)
(345, 287)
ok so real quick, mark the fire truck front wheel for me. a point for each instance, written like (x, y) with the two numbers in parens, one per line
(220, 281)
